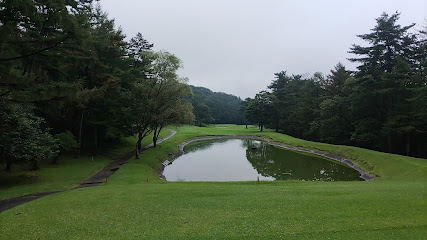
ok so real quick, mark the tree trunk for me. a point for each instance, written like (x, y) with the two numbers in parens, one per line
(389, 103)
(139, 142)
(8, 166)
(262, 127)
(1, 50)
(30, 68)
(79, 148)
(158, 132)
(408, 144)
(138, 145)
(246, 126)
(96, 139)
(155, 137)
(55, 159)
(35, 165)
(390, 141)
(136, 151)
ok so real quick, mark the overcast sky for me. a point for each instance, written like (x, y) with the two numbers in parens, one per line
(236, 46)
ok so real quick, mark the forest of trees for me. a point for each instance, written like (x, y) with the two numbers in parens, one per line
(68, 79)
(381, 106)
(215, 107)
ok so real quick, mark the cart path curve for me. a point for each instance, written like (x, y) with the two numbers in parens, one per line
(91, 181)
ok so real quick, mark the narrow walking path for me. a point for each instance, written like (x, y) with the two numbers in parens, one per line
(112, 167)
(92, 181)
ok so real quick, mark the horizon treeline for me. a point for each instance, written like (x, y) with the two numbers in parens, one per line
(215, 107)
(381, 106)
(69, 79)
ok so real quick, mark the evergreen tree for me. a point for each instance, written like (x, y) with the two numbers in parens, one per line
(380, 79)
(336, 121)
(22, 139)
(215, 107)
(260, 109)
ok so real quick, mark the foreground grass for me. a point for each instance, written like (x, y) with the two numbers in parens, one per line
(129, 207)
(267, 210)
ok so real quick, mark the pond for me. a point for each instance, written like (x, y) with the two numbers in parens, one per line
(248, 160)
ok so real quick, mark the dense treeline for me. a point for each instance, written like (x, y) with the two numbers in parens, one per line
(215, 107)
(382, 106)
(68, 79)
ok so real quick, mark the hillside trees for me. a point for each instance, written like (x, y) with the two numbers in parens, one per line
(215, 107)
(242, 108)
(65, 70)
(22, 139)
(179, 112)
(159, 96)
(202, 114)
(381, 106)
(387, 72)
(336, 120)
(37, 51)
(100, 78)
(297, 104)
(260, 110)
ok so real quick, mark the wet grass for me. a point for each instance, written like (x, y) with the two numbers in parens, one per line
(66, 174)
(393, 206)
(51, 177)
(383, 165)
(267, 210)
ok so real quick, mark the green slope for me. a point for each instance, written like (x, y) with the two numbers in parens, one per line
(393, 206)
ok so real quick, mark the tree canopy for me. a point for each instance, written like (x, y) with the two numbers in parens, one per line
(69, 79)
(215, 107)
(381, 106)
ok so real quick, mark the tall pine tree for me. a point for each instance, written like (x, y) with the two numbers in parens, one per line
(391, 48)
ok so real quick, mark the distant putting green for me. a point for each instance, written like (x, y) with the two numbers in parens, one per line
(394, 206)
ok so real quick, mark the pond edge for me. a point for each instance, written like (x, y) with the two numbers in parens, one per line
(363, 174)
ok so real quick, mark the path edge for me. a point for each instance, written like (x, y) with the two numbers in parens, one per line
(92, 181)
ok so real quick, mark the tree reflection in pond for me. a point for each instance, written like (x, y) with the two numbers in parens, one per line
(284, 164)
(202, 145)
(247, 160)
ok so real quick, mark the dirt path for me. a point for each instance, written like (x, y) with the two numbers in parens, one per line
(363, 174)
(92, 181)
(112, 167)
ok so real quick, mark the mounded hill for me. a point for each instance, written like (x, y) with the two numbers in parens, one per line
(215, 107)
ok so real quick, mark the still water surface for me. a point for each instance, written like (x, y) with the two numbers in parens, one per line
(246, 160)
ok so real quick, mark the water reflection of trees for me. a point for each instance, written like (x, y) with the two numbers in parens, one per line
(202, 145)
(282, 164)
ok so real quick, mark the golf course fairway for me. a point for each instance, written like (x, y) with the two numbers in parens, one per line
(135, 204)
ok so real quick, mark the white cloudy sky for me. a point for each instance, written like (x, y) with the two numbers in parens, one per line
(236, 46)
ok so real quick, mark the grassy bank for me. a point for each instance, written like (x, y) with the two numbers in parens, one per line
(128, 207)
(68, 173)
(383, 165)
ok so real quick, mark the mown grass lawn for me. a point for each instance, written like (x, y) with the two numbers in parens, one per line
(394, 206)
(66, 174)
